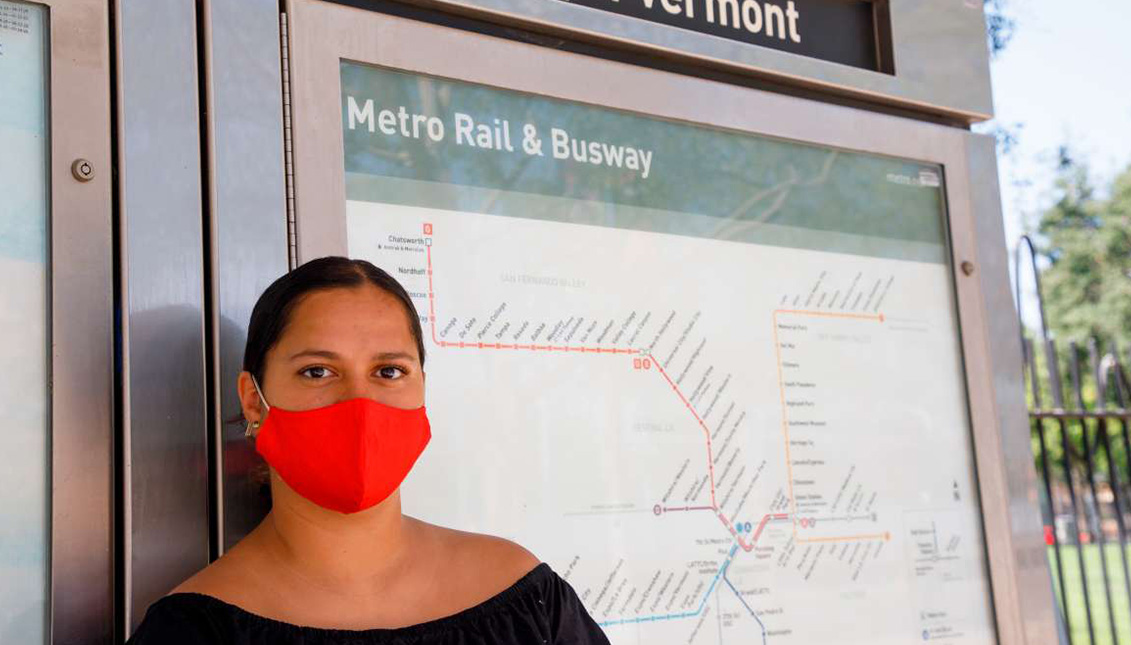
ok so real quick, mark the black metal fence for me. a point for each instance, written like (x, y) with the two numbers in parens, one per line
(1079, 400)
(1083, 451)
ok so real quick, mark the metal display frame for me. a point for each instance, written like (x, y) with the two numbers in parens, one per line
(81, 300)
(247, 237)
(939, 49)
(163, 470)
(322, 34)
(201, 198)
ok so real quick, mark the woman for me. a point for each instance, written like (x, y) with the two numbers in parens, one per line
(333, 391)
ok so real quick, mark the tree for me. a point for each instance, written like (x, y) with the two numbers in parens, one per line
(1086, 239)
(999, 31)
(999, 26)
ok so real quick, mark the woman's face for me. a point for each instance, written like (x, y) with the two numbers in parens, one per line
(341, 344)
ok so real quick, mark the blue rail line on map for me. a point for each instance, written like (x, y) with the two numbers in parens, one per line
(687, 614)
(748, 608)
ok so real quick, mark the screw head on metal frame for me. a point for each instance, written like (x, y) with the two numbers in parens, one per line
(82, 169)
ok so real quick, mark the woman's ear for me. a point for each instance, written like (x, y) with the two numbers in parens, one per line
(249, 399)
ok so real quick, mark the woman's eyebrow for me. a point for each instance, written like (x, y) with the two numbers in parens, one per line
(320, 353)
(386, 356)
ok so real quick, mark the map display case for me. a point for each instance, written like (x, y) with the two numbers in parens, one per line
(715, 354)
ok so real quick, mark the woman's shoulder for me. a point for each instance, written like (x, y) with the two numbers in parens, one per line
(486, 550)
(202, 609)
(520, 582)
(213, 580)
(474, 561)
(479, 583)
(180, 619)
(235, 578)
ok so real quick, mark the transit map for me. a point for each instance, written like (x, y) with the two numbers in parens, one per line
(722, 397)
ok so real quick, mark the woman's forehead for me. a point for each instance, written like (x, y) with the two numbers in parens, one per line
(361, 316)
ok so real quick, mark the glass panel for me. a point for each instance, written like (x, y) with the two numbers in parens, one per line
(714, 379)
(24, 401)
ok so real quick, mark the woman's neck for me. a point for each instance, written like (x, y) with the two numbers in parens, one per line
(357, 554)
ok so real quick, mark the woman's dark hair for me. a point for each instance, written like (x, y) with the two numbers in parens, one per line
(272, 312)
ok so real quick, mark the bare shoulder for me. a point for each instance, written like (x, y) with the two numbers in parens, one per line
(209, 581)
(486, 562)
(228, 578)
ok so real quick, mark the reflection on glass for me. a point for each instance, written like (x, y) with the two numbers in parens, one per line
(24, 456)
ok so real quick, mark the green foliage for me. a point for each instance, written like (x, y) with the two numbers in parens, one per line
(999, 31)
(1086, 240)
(999, 26)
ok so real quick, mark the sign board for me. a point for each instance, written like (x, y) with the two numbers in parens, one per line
(683, 365)
(840, 31)
(929, 57)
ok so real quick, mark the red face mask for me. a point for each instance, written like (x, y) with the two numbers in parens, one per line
(346, 457)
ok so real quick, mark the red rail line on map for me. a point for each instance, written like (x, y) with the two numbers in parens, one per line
(706, 430)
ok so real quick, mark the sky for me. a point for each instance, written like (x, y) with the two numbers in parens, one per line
(1066, 78)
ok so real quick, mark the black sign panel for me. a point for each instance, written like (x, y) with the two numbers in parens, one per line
(851, 32)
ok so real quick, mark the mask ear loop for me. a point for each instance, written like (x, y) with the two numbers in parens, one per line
(255, 424)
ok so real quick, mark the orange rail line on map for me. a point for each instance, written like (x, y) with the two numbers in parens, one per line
(846, 538)
(829, 314)
(785, 422)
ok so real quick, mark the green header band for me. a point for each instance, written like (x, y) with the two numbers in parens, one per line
(422, 141)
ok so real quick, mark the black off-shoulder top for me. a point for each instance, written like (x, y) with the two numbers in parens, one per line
(540, 608)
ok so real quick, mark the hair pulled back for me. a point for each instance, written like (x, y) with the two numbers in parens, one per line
(272, 312)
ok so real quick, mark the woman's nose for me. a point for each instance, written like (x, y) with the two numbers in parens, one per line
(357, 386)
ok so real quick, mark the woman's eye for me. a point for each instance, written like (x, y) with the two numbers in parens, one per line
(315, 372)
(390, 372)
